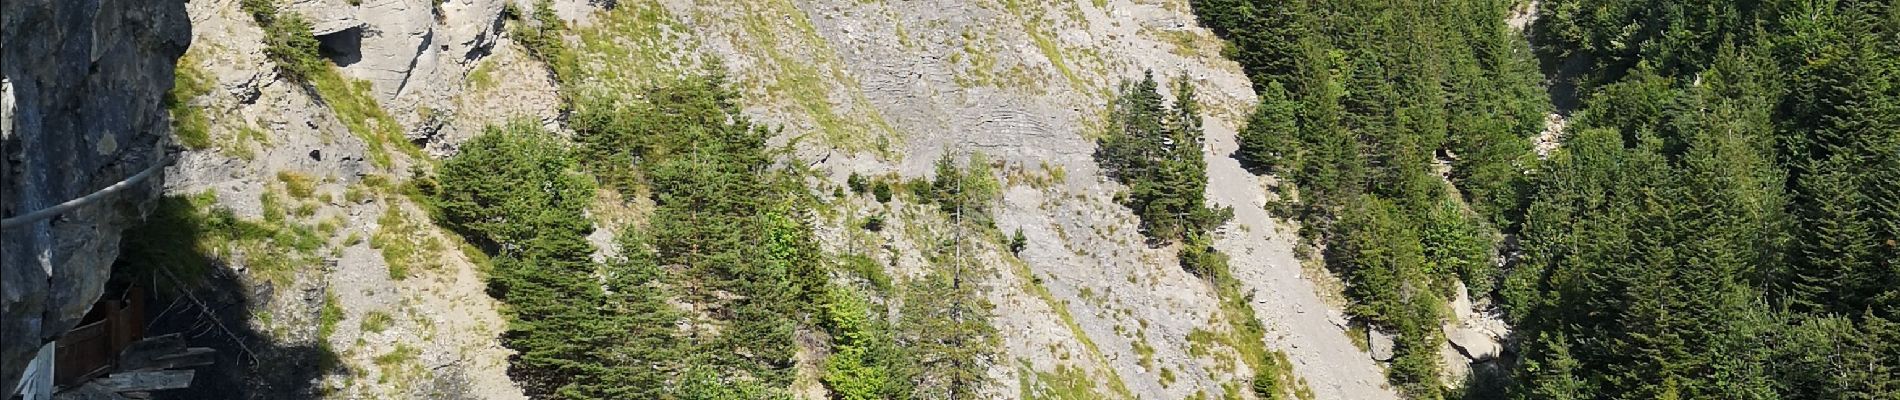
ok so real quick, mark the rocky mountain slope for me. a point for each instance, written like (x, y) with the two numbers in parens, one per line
(391, 306)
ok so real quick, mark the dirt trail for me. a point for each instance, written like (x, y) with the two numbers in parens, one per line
(1299, 322)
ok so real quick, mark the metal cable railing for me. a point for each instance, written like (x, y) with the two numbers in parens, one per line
(69, 205)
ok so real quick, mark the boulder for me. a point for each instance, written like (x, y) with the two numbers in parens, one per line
(1380, 343)
(1455, 367)
(1474, 344)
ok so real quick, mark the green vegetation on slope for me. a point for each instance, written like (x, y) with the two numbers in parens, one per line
(1358, 99)
(747, 265)
(289, 44)
(1721, 221)
(178, 239)
(1155, 149)
(1717, 224)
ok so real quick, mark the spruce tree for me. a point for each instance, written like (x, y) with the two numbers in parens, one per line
(1269, 142)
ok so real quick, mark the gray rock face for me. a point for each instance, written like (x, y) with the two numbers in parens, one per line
(1474, 344)
(83, 80)
(1380, 345)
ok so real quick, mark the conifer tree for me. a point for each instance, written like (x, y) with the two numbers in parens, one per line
(1269, 142)
(945, 324)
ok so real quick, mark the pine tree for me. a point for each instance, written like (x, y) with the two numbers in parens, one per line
(1836, 241)
(1550, 372)
(1269, 142)
(945, 326)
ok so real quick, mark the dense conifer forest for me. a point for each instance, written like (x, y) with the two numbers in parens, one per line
(1721, 220)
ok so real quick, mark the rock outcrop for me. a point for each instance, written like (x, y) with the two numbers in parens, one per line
(80, 110)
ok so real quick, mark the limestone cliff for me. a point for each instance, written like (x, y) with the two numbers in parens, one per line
(80, 110)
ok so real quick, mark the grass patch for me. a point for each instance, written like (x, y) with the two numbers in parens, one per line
(189, 124)
(634, 45)
(483, 76)
(357, 108)
(1245, 334)
(376, 322)
(1065, 383)
(328, 317)
(398, 367)
(405, 244)
(1033, 22)
(402, 354)
(803, 82)
(289, 44)
(299, 186)
(185, 234)
(1184, 42)
(240, 145)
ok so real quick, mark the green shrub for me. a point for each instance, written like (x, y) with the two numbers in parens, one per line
(865, 363)
(262, 11)
(512, 185)
(881, 191)
(867, 268)
(858, 184)
(289, 43)
(541, 35)
(965, 192)
(1018, 242)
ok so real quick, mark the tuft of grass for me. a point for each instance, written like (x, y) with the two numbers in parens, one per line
(402, 354)
(376, 321)
(1145, 351)
(240, 146)
(1184, 43)
(299, 185)
(483, 76)
(328, 316)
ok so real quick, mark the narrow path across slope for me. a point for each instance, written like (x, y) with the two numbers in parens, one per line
(1298, 321)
